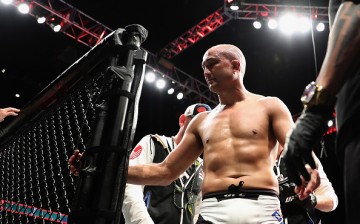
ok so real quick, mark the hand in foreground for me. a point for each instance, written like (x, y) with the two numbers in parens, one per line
(75, 162)
(308, 129)
(307, 187)
(9, 111)
(289, 191)
(291, 202)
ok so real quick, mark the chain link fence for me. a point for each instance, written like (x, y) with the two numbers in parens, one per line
(92, 105)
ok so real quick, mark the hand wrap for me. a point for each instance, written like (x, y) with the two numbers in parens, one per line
(290, 202)
(308, 129)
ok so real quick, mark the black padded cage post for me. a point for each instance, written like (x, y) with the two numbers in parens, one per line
(92, 106)
(106, 155)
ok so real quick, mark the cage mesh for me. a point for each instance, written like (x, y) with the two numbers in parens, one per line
(36, 183)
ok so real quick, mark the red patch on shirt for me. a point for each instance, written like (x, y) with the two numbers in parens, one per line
(136, 152)
(201, 109)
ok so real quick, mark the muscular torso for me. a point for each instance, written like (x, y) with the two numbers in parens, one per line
(239, 145)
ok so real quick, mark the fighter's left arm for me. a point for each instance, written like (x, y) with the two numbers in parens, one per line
(282, 123)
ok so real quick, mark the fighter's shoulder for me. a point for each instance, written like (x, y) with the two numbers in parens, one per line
(273, 104)
(268, 99)
(202, 115)
(198, 121)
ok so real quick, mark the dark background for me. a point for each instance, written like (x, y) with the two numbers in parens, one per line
(277, 65)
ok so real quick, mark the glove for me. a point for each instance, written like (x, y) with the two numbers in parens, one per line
(287, 193)
(290, 202)
(308, 129)
(297, 206)
(301, 211)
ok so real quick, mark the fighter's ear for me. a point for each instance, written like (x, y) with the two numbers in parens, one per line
(182, 119)
(235, 64)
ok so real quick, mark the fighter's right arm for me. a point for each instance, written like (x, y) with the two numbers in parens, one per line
(162, 174)
(150, 174)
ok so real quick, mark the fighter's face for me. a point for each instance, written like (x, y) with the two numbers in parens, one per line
(217, 69)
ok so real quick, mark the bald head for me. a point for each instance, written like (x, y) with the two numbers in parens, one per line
(230, 52)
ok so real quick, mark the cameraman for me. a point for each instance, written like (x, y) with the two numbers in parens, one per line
(296, 211)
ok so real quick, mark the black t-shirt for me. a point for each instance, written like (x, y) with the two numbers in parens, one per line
(348, 103)
(348, 109)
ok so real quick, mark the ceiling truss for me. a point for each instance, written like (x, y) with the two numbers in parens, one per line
(247, 11)
(88, 31)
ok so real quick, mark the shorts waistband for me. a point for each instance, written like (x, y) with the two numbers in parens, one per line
(241, 193)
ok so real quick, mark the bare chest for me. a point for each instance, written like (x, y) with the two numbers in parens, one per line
(237, 124)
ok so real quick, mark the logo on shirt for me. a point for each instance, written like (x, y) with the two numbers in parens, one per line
(289, 199)
(136, 152)
(278, 216)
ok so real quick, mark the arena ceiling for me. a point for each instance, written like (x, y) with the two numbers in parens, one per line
(32, 55)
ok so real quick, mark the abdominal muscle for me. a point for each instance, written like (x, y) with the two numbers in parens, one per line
(252, 165)
(237, 147)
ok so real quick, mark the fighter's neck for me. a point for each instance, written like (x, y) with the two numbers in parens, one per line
(230, 98)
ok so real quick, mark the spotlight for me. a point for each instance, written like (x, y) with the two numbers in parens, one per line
(24, 8)
(171, 91)
(41, 19)
(57, 28)
(303, 24)
(150, 77)
(234, 5)
(272, 24)
(330, 123)
(320, 27)
(291, 23)
(179, 96)
(287, 24)
(160, 84)
(257, 24)
(6, 2)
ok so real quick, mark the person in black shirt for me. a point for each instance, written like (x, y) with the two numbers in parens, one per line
(338, 85)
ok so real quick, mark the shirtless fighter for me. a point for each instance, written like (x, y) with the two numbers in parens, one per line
(238, 141)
